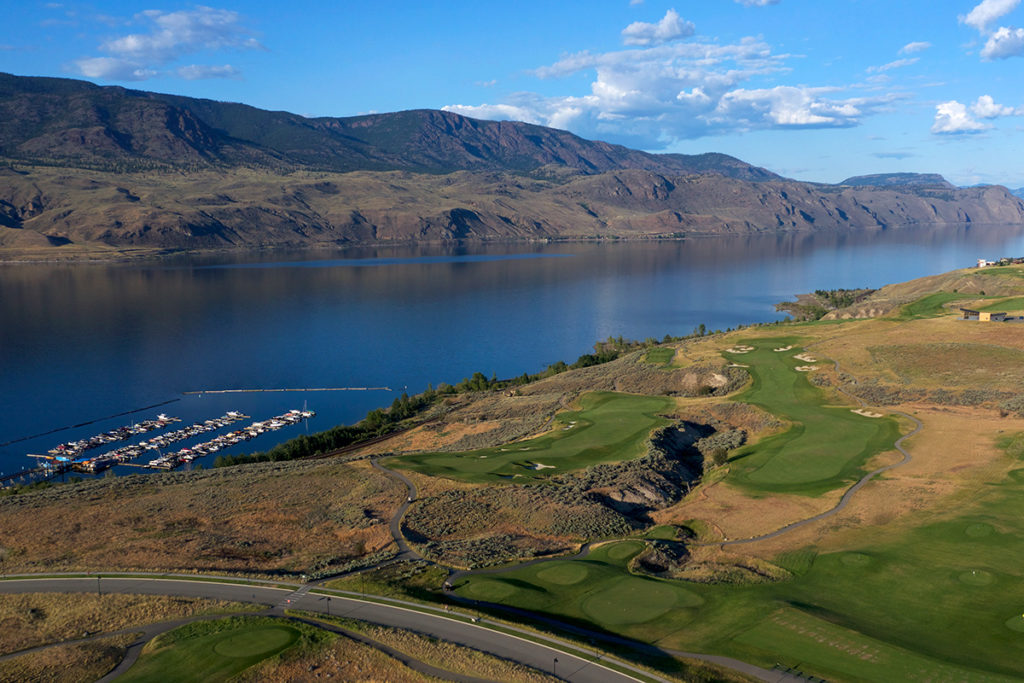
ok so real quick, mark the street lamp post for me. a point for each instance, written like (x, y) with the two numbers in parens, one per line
(554, 668)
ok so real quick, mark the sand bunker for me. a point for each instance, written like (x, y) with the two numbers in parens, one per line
(866, 413)
(806, 357)
(739, 348)
(541, 466)
(805, 368)
(738, 365)
(784, 348)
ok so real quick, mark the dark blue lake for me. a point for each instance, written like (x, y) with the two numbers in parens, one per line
(80, 342)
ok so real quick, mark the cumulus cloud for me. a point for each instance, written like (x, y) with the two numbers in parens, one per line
(912, 48)
(671, 27)
(169, 36)
(1005, 42)
(110, 68)
(986, 108)
(758, 3)
(653, 96)
(987, 12)
(952, 118)
(791, 107)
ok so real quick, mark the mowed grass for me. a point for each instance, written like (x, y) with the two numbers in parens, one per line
(943, 601)
(930, 306)
(826, 447)
(660, 355)
(609, 427)
(1012, 305)
(212, 650)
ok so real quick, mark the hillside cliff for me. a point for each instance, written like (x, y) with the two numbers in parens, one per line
(91, 168)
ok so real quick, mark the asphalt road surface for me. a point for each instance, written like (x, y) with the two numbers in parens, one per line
(536, 655)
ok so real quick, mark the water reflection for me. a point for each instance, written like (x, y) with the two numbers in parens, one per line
(77, 342)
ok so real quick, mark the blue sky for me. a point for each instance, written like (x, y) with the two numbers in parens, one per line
(813, 89)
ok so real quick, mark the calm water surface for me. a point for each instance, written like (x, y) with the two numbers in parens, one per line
(85, 341)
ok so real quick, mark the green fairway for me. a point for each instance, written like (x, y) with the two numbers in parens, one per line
(660, 355)
(609, 427)
(942, 601)
(212, 650)
(826, 447)
(1011, 305)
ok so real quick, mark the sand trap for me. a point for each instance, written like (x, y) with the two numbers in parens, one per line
(739, 348)
(738, 365)
(866, 413)
(806, 357)
(542, 466)
(784, 348)
(805, 368)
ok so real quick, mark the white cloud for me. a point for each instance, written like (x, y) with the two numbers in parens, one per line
(194, 72)
(912, 48)
(986, 108)
(1005, 42)
(986, 12)
(758, 3)
(907, 61)
(636, 2)
(671, 27)
(952, 118)
(110, 68)
(791, 107)
(169, 37)
(654, 96)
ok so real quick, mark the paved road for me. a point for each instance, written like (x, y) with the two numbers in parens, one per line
(404, 551)
(570, 667)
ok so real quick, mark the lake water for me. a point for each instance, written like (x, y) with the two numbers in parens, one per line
(80, 342)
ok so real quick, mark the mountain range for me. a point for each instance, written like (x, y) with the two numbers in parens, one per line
(89, 168)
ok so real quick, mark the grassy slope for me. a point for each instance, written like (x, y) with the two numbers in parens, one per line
(212, 650)
(826, 446)
(608, 427)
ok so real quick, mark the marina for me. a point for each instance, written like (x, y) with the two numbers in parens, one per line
(99, 463)
(68, 456)
(187, 455)
(72, 449)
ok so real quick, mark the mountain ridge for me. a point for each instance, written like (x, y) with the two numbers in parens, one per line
(103, 169)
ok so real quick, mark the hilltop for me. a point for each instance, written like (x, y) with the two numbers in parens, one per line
(107, 171)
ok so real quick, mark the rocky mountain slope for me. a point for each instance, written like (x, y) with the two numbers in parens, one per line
(89, 169)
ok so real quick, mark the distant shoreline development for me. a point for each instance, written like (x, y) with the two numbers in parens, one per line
(258, 391)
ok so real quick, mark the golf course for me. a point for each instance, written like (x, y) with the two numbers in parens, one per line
(608, 427)
(826, 446)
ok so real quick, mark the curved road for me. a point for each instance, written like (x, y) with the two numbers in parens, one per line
(539, 656)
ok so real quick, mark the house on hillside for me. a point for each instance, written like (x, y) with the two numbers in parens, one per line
(983, 316)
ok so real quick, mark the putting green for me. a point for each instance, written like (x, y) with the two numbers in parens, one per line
(855, 559)
(564, 574)
(1016, 623)
(825, 448)
(213, 651)
(609, 427)
(630, 601)
(977, 577)
(490, 590)
(623, 551)
(251, 643)
(979, 530)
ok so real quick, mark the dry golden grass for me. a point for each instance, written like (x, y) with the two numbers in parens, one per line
(79, 663)
(454, 658)
(341, 660)
(293, 517)
(32, 619)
